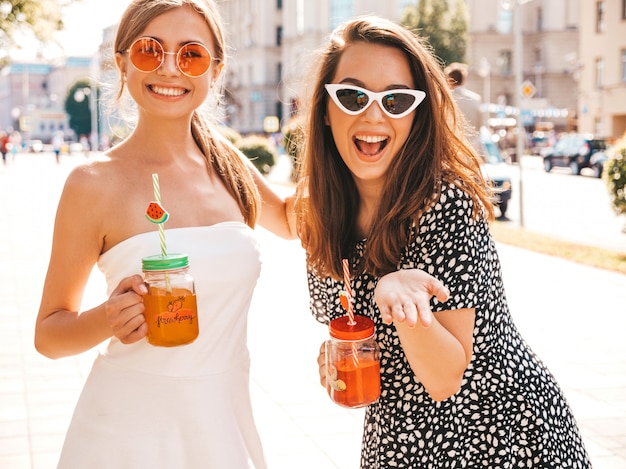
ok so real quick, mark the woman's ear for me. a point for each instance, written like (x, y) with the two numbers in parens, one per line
(326, 121)
(217, 71)
(122, 64)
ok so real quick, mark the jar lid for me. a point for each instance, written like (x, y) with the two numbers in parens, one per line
(160, 262)
(340, 328)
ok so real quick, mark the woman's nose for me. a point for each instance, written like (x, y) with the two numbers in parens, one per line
(374, 112)
(169, 65)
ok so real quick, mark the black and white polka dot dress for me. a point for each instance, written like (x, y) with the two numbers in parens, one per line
(509, 412)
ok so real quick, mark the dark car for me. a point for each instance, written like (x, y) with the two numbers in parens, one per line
(497, 171)
(576, 152)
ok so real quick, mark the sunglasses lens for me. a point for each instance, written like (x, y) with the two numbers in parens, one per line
(395, 103)
(352, 100)
(398, 102)
(194, 60)
(146, 54)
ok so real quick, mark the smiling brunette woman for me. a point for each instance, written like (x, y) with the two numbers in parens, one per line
(390, 184)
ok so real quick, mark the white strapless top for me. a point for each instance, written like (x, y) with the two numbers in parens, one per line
(187, 406)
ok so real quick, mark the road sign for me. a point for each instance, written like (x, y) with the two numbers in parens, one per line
(271, 124)
(528, 89)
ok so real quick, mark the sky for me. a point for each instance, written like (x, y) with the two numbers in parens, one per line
(84, 22)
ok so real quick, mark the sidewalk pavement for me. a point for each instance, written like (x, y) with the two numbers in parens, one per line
(572, 316)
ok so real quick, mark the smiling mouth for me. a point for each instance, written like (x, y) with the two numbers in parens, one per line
(167, 91)
(370, 145)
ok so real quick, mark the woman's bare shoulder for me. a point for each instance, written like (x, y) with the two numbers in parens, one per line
(95, 175)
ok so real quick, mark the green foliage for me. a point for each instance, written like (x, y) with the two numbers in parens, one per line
(231, 134)
(77, 106)
(260, 151)
(41, 18)
(445, 30)
(293, 139)
(615, 177)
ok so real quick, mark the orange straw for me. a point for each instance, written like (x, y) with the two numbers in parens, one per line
(346, 281)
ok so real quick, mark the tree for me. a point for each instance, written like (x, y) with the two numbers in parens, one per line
(615, 177)
(41, 18)
(445, 30)
(77, 106)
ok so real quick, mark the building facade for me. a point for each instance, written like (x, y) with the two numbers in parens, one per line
(602, 68)
(271, 46)
(550, 40)
(273, 43)
(573, 58)
(32, 97)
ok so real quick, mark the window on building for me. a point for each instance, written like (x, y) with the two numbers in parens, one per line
(505, 64)
(279, 72)
(600, 26)
(300, 16)
(279, 35)
(624, 65)
(279, 110)
(599, 73)
(340, 11)
(597, 124)
(624, 9)
(279, 4)
(540, 19)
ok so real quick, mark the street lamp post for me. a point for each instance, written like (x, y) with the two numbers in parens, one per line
(93, 104)
(521, 133)
(514, 6)
(484, 70)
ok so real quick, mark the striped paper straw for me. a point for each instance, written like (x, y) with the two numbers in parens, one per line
(157, 197)
(346, 281)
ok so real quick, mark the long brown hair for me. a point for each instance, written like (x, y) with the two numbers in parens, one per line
(227, 162)
(435, 152)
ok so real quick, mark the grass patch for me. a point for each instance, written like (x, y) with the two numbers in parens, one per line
(541, 243)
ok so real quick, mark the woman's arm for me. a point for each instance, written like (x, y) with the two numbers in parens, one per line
(277, 211)
(60, 329)
(439, 354)
(438, 346)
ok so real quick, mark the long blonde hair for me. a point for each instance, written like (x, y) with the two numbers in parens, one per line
(433, 153)
(227, 162)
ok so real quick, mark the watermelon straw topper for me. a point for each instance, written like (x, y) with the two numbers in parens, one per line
(157, 214)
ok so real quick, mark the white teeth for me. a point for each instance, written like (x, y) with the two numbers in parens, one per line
(371, 138)
(168, 91)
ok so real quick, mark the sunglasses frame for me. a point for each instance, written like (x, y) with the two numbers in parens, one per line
(177, 54)
(333, 88)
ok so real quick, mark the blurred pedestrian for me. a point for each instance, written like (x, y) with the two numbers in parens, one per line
(84, 143)
(469, 102)
(16, 143)
(4, 145)
(57, 145)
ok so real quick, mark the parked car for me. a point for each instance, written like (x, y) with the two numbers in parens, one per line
(576, 152)
(497, 171)
(538, 142)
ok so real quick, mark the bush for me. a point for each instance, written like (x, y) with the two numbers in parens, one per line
(231, 134)
(260, 151)
(293, 138)
(615, 177)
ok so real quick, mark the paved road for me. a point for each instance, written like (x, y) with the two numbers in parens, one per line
(573, 208)
(572, 315)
